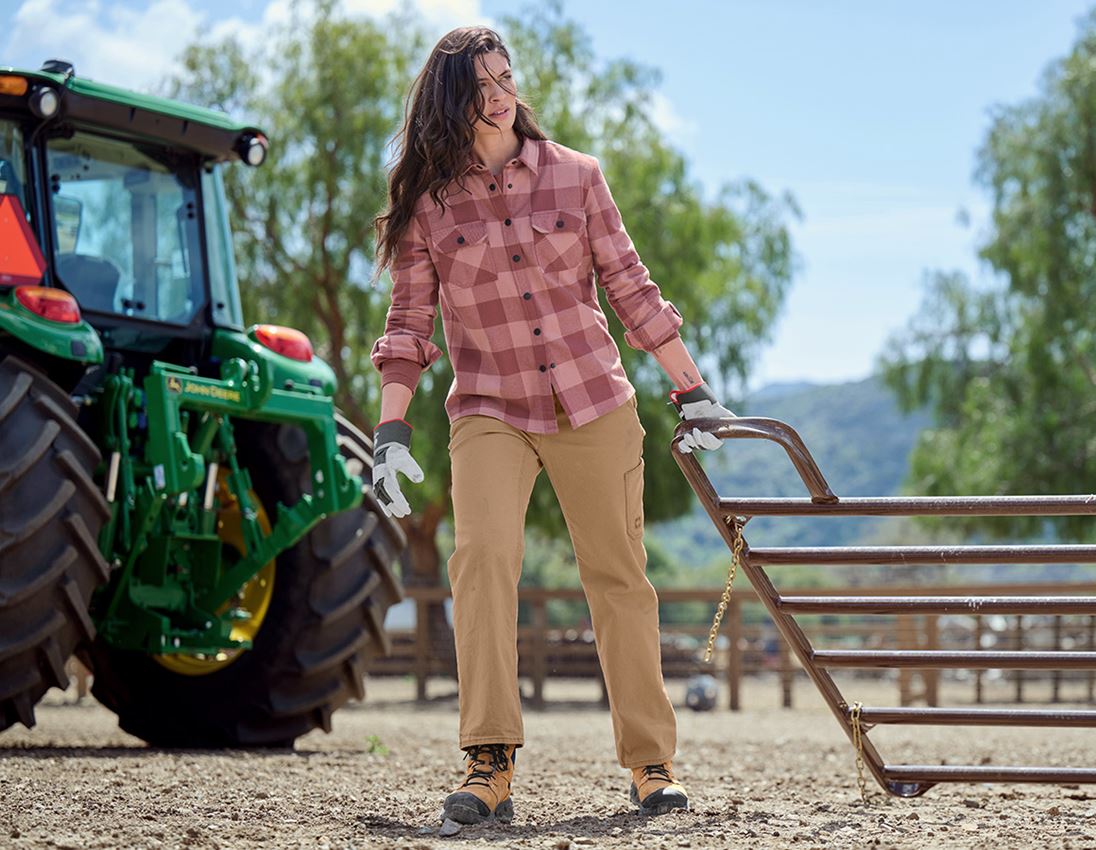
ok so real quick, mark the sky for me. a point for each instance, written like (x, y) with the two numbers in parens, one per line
(869, 113)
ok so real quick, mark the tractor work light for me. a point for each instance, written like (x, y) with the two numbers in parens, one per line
(13, 85)
(289, 342)
(252, 148)
(54, 305)
(44, 102)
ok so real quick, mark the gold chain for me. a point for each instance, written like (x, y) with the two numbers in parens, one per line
(858, 743)
(736, 559)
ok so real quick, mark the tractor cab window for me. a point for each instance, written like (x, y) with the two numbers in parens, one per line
(125, 228)
(13, 173)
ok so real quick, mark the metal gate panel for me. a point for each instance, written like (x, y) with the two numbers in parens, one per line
(730, 516)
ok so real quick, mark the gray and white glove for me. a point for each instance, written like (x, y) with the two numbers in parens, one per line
(698, 402)
(392, 454)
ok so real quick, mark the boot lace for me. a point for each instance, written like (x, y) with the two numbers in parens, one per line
(657, 771)
(486, 759)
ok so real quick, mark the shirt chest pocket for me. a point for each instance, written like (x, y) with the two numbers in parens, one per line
(559, 239)
(462, 255)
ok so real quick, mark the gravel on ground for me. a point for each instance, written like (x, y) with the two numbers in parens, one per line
(764, 777)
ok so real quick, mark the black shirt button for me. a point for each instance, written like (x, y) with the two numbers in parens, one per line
(509, 185)
(507, 222)
(542, 369)
(559, 223)
(527, 296)
(460, 240)
(536, 331)
(492, 187)
(517, 258)
(553, 365)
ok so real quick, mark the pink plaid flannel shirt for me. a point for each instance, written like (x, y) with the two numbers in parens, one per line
(512, 260)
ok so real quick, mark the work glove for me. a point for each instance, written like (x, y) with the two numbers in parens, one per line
(698, 402)
(392, 454)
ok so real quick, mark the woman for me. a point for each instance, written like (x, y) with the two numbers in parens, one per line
(507, 230)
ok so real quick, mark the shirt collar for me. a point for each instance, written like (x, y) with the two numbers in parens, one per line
(529, 156)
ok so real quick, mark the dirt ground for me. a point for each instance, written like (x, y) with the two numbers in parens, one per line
(763, 777)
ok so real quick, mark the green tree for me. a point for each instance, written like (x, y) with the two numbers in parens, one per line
(331, 96)
(1010, 370)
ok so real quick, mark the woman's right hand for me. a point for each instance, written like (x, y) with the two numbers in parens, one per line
(392, 455)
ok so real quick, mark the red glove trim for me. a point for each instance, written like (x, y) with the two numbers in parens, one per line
(396, 419)
(675, 393)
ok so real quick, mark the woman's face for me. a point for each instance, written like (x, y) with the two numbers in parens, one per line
(496, 87)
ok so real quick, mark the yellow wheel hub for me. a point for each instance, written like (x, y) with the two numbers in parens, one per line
(254, 597)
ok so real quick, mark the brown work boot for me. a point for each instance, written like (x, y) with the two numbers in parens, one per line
(485, 792)
(655, 791)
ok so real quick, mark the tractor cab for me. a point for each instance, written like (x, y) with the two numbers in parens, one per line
(124, 198)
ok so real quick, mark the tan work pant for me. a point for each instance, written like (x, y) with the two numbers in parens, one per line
(597, 474)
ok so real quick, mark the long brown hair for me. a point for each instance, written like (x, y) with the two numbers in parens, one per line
(435, 142)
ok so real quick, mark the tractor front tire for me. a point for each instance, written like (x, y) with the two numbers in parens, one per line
(326, 614)
(51, 512)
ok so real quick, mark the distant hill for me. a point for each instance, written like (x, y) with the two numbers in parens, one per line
(859, 439)
(779, 390)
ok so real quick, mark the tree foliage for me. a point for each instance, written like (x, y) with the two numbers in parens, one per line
(328, 90)
(1010, 370)
(331, 92)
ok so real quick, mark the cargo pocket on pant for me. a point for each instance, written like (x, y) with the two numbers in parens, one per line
(633, 500)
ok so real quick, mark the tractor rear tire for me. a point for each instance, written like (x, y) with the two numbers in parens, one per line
(51, 512)
(326, 615)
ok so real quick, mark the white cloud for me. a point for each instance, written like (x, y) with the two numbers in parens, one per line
(110, 43)
(370, 8)
(448, 14)
(439, 16)
(679, 129)
(137, 48)
(250, 31)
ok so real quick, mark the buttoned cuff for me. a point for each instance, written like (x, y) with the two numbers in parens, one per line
(657, 330)
(399, 371)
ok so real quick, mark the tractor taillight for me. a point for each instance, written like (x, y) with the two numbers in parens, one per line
(55, 305)
(288, 342)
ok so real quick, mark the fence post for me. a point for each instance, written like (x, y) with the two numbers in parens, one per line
(1018, 644)
(785, 674)
(979, 626)
(422, 647)
(931, 678)
(540, 661)
(734, 654)
(906, 633)
(1091, 647)
(1056, 675)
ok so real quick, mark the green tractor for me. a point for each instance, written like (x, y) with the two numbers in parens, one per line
(181, 505)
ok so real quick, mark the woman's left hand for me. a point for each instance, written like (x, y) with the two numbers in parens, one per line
(699, 402)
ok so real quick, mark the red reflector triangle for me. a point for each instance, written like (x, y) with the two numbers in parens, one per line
(21, 260)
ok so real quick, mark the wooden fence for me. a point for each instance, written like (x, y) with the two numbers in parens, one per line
(750, 644)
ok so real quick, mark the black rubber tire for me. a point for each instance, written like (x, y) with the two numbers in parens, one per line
(50, 515)
(331, 593)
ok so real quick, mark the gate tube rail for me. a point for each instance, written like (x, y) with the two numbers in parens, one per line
(730, 515)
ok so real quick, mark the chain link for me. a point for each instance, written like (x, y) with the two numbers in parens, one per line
(858, 743)
(736, 559)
